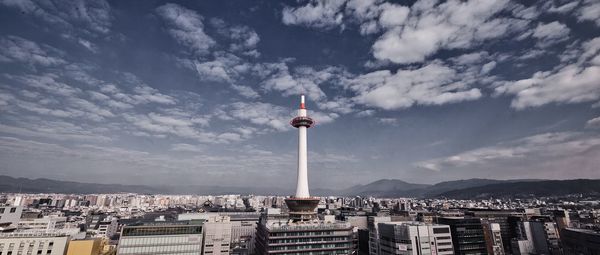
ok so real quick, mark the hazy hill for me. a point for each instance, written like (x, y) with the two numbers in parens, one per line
(384, 187)
(528, 189)
(471, 188)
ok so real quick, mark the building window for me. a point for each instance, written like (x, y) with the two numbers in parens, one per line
(2, 210)
(13, 210)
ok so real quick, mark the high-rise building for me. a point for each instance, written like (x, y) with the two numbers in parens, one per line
(508, 221)
(301, 231)
(373, 227)
(33, 243)
(467, 235)
(414, 238)
(184, 238)
(537, 237)
(493, 238)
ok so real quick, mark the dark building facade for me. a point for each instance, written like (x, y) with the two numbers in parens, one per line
(467, 235)
(580, 241)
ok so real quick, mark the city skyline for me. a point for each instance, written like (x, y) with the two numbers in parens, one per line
(176, 92)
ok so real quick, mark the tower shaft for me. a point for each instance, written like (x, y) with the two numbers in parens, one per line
(302, 184)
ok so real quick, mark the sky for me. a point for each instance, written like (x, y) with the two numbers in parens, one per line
(202, 92)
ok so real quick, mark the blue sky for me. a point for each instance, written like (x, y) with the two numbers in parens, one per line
(201, 92)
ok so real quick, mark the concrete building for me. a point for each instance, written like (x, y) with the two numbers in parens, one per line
(505, 218)
(108, 227)
(10, 215)
(217, 235)
(33, 243)
(537, 237)
(493, 238)
(47, 223)
(580, 241)
(414, 238)
(182, 238)
(373, 227)
(277, 235)
(467, 235)
(85, 247)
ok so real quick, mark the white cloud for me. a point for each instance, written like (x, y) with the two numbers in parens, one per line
(317, 13)
(537, 147)
(393, 15)
(589, 11)
(433, 84)
(572, 83)
(551, 33)
(450, 25)
(261, 114)
(593, 123)
(488, 67)
(564, 8)
(90, 16)
(17, 49)
(184, 147)
(186, 27)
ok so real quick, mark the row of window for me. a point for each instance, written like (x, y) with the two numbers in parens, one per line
(12, 210)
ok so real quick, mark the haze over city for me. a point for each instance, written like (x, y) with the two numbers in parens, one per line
(202, 92)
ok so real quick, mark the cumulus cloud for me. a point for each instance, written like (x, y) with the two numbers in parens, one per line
(243, 38)
(562, 145)
(589, 11)
(571, 83)
(317, 13)
(433, 84)
(450, 25)
(186, 27)
(551, 33)
(593, 123)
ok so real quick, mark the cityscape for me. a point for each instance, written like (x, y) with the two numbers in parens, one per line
(365, 127)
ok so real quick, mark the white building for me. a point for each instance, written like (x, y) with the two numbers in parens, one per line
(33, 243)
(47, 223)
(107, 227)
(10, 215)
(161, 238)
(217, 235)
(414, 238)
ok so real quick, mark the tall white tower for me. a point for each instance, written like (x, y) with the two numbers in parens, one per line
(302, 205)
(302, 122)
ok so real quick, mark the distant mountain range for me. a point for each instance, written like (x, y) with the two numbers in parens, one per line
(471, 188)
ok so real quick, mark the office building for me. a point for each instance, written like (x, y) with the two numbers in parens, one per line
(414, 238)
(33, 243)
(493, 238)
(277, 235)
(467, 235)
(217, 235)
(47, 223)
(183, 238)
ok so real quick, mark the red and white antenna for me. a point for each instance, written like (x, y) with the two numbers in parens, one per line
(302, 106)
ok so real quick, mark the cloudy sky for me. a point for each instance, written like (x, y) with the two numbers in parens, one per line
(201, 92)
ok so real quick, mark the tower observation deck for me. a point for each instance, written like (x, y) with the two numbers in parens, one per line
(302, 205)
